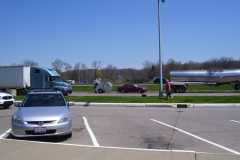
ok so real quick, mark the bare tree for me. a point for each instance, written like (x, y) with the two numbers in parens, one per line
(149, 70)
(58, 65)
(97, 69)
(77, 71)
(67, 66)
(30, 63)
(110, 73)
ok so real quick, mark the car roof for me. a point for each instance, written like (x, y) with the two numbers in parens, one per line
(44, 92)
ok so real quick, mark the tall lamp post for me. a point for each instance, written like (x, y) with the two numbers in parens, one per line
(159, 49)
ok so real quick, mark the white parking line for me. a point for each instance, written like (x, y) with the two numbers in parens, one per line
(93, 138)
(197, 137)
(5, 134)
(104, 147)
(235, 121)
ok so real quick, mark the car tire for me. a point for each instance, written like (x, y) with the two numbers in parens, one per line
(6, 107)
(69, 135)
(12, 136)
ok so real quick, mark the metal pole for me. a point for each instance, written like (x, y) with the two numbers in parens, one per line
(160, 54)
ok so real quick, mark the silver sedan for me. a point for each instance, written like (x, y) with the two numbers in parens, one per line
(42, 114)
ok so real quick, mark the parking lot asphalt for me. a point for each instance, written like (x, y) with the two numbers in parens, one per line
(208, 129)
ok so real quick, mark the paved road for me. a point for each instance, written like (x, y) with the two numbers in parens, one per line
(199, 129)
(152, 94)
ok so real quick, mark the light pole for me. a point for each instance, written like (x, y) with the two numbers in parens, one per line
(159, 49)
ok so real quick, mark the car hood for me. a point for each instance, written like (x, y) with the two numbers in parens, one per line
(42, 113)
(61, 83)
(4, 94)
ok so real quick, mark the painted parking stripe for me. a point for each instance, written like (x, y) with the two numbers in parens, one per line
(197, 137)
(89, 146)
(235, 121)
(93, 137)
(5, 134)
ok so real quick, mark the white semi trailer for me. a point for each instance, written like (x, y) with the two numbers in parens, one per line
(23, 78)
(14, 77)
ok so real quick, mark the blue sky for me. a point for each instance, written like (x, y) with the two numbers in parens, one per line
(118, 32)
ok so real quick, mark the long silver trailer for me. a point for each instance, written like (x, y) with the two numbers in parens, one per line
(210, 77)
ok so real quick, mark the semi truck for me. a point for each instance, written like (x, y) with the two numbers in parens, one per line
(23, 78)
(207, 77)
(177, 87)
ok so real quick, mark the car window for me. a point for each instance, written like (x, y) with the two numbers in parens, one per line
(34, 100)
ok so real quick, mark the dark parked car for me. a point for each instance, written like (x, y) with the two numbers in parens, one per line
(131, 88)
(156, 80)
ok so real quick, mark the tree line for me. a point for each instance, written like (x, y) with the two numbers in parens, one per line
(84, 74)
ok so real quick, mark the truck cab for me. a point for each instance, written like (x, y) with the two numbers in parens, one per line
(49, 79)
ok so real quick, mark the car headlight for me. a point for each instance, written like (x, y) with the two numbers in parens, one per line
(63, 120)
(17, 120)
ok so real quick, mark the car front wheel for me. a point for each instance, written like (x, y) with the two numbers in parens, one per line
(69, 135)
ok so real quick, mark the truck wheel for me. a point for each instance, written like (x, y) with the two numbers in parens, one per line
(183, 90)
(237, 87)
(175, 89)
(100, 91)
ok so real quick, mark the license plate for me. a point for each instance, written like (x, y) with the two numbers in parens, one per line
(40, 130)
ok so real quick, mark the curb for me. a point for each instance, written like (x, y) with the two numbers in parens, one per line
(214, 105)
(86, 104)
(162, 105)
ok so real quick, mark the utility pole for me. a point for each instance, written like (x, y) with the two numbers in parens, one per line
(159, 49)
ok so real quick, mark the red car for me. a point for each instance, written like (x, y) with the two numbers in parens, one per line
(131, 88)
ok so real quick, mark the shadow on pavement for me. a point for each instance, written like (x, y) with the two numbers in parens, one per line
(52, 139)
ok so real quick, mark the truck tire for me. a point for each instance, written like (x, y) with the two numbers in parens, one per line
(100, 91)
(237, 86)
(179, 89)
(183, 89)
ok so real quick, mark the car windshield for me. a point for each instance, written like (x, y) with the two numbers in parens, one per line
(44, 100)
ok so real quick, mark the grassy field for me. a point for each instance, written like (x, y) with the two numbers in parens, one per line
(177, 99)
(155, 87)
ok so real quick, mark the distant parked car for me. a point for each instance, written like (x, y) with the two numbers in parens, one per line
(42, 114)
(6, 100)
(156, 80)
(131, 88)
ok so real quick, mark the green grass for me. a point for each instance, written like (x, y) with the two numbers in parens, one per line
(88, 88)
(82, 88)
(151, 99)
(225, 87)
(178, 99)
(155, 87)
